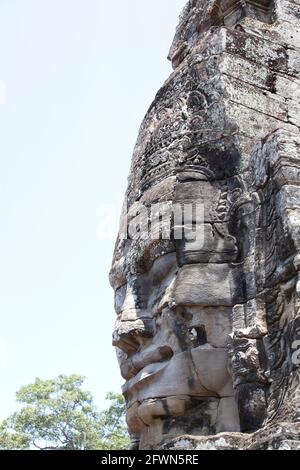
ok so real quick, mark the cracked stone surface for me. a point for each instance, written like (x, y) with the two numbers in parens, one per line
(208, 330)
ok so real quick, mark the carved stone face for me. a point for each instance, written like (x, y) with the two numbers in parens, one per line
(174, 297)
(205, 327)
(174, 312)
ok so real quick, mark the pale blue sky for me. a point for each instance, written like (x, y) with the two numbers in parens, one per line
(79, 77)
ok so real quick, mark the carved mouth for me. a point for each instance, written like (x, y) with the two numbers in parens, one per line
(143, 377)
(134, 364)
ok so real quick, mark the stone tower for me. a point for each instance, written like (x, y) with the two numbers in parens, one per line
(208, 328)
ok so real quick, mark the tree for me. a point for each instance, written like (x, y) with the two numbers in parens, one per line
(59, 414)
(114, 434)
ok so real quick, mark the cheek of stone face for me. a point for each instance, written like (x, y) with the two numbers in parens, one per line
(171, 330)
(210, 326)
(204, 332)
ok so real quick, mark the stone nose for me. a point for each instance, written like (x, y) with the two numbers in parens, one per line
(130, 335)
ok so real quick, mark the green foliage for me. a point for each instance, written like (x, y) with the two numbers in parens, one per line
(10, 439)
(59, 414)
(113, 428)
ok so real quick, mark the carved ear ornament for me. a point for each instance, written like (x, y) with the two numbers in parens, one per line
(241, 201)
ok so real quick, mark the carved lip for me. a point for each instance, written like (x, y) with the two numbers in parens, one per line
(143, 376)
(141, 359)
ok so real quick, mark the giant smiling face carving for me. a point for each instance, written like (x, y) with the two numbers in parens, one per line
(174, 316)
(175, 296)
(205, 327)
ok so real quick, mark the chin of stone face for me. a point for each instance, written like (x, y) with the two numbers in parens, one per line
(206, 269)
